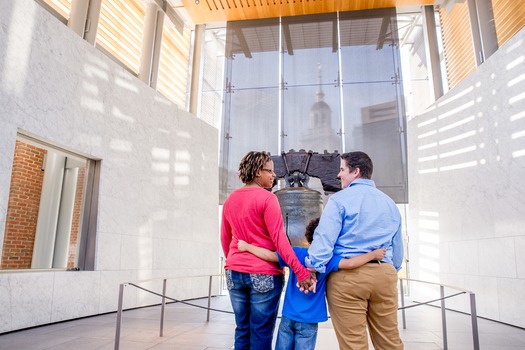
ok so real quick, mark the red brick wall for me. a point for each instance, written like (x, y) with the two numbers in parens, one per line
(22, 210)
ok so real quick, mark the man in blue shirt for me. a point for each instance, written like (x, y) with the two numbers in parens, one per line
(357, 220)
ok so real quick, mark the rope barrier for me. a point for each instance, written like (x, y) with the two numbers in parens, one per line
(403, 308)
(179, 301)
(231, 312)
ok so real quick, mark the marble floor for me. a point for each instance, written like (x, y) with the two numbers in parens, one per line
(186, 328)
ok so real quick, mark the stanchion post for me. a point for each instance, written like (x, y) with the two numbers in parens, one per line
(443, 317)
(119, 316)
(209, 299)
(474, 318)
(163, 307)
(401, 291)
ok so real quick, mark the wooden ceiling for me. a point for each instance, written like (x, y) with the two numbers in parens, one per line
(209, 11)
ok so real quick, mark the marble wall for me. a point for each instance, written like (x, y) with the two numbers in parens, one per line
(158, 199)
(467, 189)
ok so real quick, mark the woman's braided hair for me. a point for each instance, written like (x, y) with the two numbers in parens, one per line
(251, 163)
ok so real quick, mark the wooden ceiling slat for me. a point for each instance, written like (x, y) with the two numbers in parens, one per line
(208, 11)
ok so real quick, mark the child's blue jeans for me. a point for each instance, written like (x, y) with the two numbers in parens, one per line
(296, 335)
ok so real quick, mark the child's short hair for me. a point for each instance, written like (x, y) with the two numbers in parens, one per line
(310, 228)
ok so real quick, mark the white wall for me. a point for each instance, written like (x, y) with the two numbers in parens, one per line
(158, 206)
(467, 188)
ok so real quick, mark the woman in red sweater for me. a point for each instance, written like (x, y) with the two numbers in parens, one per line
(252, 214)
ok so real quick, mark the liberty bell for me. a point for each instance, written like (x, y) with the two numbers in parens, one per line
(300, 204)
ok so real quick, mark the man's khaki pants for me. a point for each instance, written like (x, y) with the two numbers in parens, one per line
(365, 296)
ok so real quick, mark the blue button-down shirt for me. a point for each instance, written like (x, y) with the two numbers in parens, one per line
(357, 220)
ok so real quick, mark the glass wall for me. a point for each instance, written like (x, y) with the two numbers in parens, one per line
(319, 83)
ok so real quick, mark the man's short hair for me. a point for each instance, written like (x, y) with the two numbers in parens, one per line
(359, 160)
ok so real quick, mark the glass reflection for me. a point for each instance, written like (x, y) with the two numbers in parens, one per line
(324, 82)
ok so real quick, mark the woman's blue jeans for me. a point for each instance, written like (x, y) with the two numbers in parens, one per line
(255, 301)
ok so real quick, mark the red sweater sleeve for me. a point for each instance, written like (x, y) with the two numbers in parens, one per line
(226, 235)
(274, 222)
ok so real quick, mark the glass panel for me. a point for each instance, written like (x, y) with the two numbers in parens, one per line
(372, 126)
(311, 119)
(367, 38)
(374, 118)
(253, 48)
(251, 114)
(311, 108)
(211, 104)
(311, 112)
(252, 126)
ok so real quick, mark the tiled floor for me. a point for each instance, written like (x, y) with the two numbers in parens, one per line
(186, 328)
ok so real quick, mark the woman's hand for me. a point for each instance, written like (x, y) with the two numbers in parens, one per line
(379, 254)
(242, 246)
(309, 284)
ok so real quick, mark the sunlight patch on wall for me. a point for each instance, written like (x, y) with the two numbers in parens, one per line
(517, 116)
(95, 72)
(118, 114)
(517, 135)
(92, 104)
(428, 264)
(517, 98)
(160, 153)
(126, 85)
(426, 159)
(427, 146)
(427, 122)
(456, 110)
(90, 88)
(458, 137)
(458, 151)
(459, 166)
(18, 50)
(428, 224)
(428, 171)
(455, 97)
(160, 167)
(517, 154)
(427, 134)
(515, 63)
(120, 145)
(458, 123)
(516, 80)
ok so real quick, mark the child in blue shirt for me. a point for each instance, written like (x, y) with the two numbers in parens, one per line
(302, 312)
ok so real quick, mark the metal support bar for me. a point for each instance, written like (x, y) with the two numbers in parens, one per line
(148, 42)
(443, 317)
(163, 307)
(209, 300)
(119, 316)
(78, 16)
(432, 51)
(93, 16)
(196, 73)
(474, 318)
(402, 292)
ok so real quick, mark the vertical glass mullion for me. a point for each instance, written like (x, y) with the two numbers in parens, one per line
(280, 83)
(342, 132)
